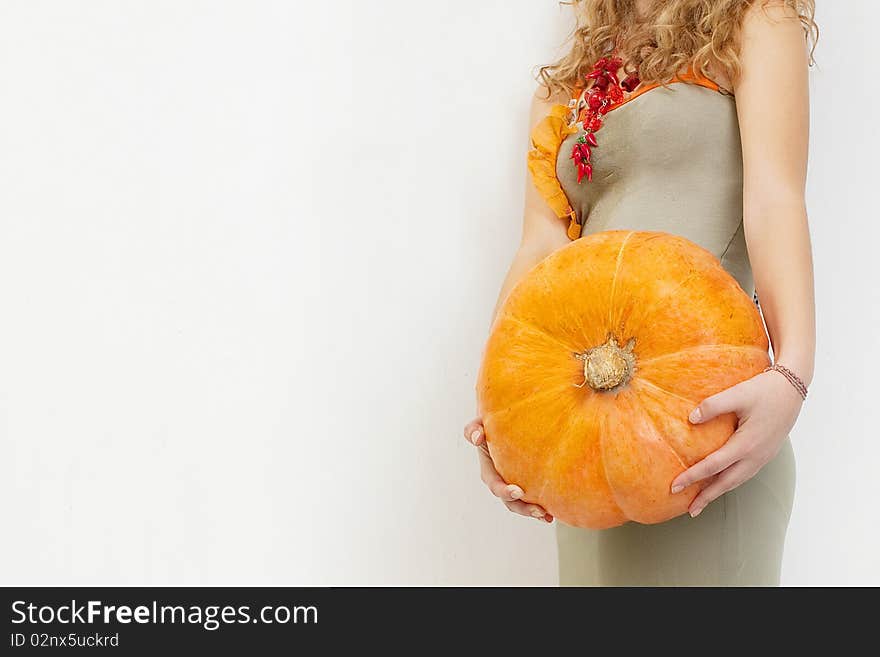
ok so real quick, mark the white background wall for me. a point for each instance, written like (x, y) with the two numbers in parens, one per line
(248, 252)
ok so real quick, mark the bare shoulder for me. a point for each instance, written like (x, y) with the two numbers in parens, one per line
(542, 99)
(772, 21)
(770, 12)
(773, 30)
(541, 103)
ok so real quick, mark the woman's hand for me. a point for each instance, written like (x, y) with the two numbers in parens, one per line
(767, 406)
(509, 494)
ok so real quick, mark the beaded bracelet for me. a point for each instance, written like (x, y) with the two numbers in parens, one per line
(793, 378)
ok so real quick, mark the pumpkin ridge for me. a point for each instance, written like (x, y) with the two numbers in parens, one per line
(701, 347)
(615, 496)
(659, 302)
(547, 392)
(560, 452)
(549, 452)
(614, 278)
(646, 382)
(659, 435)
(537, 329)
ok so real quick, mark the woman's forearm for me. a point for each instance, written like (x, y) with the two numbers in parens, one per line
(778, 240)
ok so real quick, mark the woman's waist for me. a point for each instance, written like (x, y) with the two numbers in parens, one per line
(718, 228)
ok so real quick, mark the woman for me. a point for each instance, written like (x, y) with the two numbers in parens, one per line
(719, 156)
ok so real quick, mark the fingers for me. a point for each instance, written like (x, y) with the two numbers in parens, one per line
(717, 461)
(510, 494)
(531, 510)
(500, 488)
(474, 432)
(726, 481)
(730, 400)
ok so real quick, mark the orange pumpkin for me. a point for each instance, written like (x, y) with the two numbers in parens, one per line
(593, 364)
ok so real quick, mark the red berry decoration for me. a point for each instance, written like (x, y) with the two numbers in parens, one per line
(585, 170)
(605, 93)
(630, 82)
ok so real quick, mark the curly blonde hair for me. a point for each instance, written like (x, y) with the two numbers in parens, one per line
(674, 35)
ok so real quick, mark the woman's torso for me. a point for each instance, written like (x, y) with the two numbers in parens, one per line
(669, 159)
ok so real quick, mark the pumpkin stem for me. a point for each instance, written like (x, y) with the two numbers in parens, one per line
(608, 366)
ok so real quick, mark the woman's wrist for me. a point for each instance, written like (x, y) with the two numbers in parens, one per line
(793, 379)
(799, 365)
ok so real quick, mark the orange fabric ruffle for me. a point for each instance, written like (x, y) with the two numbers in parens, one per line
(547, 136)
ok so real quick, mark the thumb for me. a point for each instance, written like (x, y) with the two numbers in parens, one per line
(727, 401)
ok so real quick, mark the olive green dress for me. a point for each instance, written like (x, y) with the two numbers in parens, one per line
(671, 160)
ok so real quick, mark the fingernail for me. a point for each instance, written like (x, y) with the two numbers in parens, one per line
(548, 518)
(696, 415)
(475, 436)
(677, 488)
(515, 491)
(696, 512)
(537, 514)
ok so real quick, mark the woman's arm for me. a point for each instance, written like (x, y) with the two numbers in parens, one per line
(773, 107)
(542, 233)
